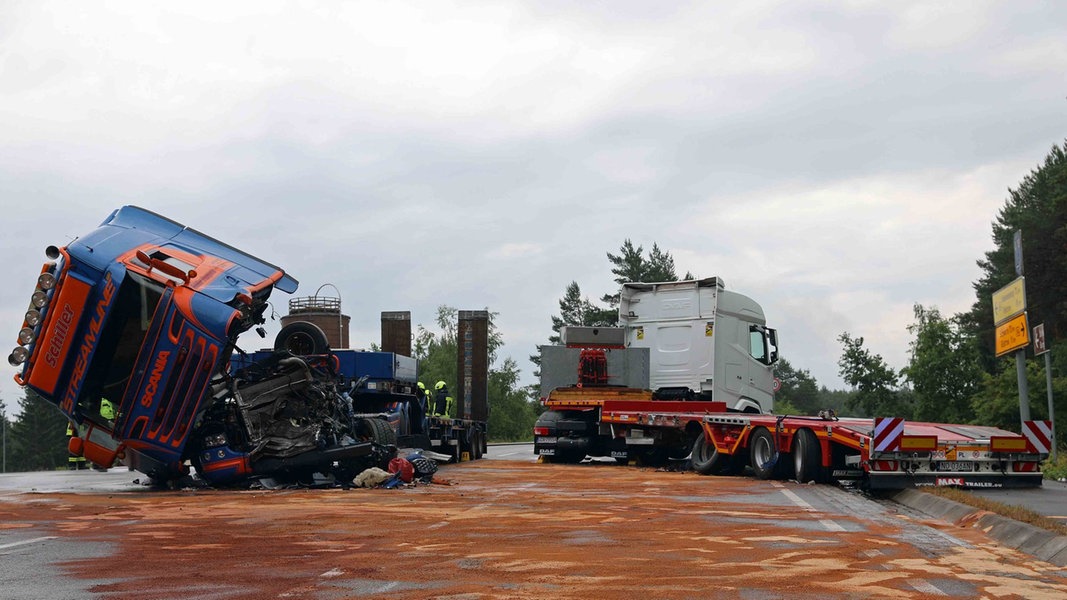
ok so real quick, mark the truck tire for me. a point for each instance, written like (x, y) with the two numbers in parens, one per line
(766, 463)
(302, 338)
(655, 456)
(476, 444)
(706, 458)
(807, 457)
(377, 431)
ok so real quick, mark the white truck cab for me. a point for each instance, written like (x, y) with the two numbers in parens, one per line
(703, 341)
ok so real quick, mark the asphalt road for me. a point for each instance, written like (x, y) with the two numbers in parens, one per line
(504, 527)
(1049, 500)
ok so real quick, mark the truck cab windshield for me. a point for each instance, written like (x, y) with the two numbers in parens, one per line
(121, 339)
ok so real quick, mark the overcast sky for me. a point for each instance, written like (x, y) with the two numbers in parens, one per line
(838, 162)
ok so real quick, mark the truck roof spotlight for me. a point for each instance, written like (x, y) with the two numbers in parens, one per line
(33, 317)
(47, 281)
(39, 299)
(26, 335)
(17, 356)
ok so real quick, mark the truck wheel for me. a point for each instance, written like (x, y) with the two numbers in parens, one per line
(652, 457)
(302, 338)
(762, 457)
(807, 457)
(706, 458)
(378, 431)
(476, 445)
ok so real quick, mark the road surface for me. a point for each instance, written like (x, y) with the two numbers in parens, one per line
(504, 528)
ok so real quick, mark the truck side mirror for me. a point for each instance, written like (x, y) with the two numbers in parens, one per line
(772, 338)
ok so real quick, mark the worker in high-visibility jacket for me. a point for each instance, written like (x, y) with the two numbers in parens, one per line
(442, 401)
(74, 462)
(418, 410)
(107, 410)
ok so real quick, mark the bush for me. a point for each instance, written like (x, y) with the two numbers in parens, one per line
(1055, 469)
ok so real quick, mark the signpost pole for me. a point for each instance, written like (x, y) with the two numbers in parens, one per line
(1041, 348)
(1020, 354)
(1051, 410)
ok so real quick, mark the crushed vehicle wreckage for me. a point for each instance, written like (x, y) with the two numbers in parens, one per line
(143, 314)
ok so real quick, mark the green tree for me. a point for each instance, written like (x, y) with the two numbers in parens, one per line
(944, 368)
(1037, 208)
(38, 437)
(798, 394)
(835, 400)
(875, 383)
(630, 265)
(436, 351)
(511, 410)
(576, 310)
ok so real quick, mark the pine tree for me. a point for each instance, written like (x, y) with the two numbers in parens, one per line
(1037, 208)
(38, 438)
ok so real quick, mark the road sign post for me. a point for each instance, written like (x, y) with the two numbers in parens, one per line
(1039, 349)
(1009, 317)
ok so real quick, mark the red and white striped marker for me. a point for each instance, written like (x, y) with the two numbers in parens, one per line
(1039, 434)
(888, 432)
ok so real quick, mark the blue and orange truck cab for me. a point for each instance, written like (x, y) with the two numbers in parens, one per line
(146, 312)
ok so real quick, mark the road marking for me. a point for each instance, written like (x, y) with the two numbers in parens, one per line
(924, 586)
(24, 542)
(827, 523)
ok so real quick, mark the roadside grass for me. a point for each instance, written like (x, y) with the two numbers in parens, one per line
(1017, 513)
(1055, 470)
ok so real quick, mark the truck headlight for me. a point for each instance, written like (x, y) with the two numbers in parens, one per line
(47, 281)
(216, 440)
(17, 356)
(39, 299)
(26, 335)
(33, 317)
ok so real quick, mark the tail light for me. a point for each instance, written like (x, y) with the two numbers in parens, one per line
(541, 431)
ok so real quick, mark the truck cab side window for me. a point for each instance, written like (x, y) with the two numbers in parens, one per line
(757, 345)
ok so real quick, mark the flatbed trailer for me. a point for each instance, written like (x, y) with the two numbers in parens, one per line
(880, 453)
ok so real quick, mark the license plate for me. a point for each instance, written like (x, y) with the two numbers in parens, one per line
(956, 465)
(547, 451)
(545, 440)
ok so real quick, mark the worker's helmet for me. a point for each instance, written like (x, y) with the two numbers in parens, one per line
(439, 385)
(421, 386)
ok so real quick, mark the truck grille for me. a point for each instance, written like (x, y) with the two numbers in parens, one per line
(187, 384)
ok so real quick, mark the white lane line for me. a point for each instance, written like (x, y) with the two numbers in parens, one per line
(925, 587)
(24, 542)
(827, 523)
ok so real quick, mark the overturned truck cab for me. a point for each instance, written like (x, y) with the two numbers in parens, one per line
(142, 314)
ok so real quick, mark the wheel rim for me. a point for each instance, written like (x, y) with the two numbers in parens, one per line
(299, 344)
(704, 451)
(762, 451)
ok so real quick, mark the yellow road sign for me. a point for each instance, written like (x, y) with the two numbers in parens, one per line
(1009, 301)
(1013, 335)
